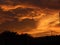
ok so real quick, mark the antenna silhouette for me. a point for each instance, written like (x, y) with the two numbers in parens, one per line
(59, 17)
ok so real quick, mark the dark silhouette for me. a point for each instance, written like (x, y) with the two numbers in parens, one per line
(12, 38)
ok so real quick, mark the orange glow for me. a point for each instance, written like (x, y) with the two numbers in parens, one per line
(7, 8)
(46, 22)
(46, 19)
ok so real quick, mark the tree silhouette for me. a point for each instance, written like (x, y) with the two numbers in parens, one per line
(12, 38)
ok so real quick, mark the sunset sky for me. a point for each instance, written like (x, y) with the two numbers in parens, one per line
(35, 17)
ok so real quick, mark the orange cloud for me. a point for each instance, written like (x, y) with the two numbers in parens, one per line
(42, 18)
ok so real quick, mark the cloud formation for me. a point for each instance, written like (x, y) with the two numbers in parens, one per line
(51, 4)
(24, 26)
(31, 16)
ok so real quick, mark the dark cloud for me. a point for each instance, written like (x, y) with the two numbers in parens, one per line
(22, 11)
(10, 22)
(51, 4)
(6, 16)
(24, 25)
(14, 14)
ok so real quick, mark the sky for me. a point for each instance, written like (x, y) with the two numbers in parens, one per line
(30, 16)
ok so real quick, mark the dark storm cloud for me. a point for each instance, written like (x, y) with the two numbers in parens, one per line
(22, 11)
(11, 15)
(6, 13)
(7, 2)
(52, 4)
(6, 16)
(11, 23)
(25, 25)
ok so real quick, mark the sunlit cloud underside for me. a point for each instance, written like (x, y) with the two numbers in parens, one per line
(47, 20)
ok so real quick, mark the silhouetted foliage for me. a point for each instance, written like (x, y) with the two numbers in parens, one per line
(12, 38)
